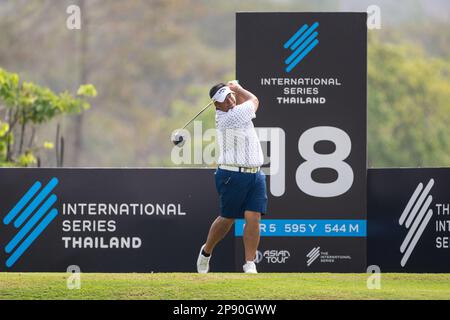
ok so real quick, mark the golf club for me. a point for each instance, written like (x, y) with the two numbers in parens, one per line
(177, 137)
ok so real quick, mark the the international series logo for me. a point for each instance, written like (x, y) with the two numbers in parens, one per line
(32, 214)
(312, 255)
(301, 43)
(415, 217)
(324, 256)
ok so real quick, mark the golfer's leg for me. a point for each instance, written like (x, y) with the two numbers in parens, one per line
(251, 234)
(217, 232)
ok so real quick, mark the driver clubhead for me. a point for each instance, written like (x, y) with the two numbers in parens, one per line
(178, 139)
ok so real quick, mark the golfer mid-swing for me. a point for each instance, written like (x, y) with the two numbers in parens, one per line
(239, 181)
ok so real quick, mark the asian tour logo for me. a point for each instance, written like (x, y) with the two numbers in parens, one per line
(415, 218)
(301, 43)
(38, 218)
(272, 256)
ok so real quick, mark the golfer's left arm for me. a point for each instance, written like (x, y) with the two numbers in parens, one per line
(243, 95)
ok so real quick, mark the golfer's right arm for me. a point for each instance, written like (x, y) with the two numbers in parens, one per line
(243, 95)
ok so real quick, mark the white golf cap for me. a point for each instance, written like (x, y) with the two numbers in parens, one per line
(221, 94)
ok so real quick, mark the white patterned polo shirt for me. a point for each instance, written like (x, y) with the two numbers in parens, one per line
(236, 137)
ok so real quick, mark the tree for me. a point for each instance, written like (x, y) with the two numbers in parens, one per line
(408, 107)
(27, 104)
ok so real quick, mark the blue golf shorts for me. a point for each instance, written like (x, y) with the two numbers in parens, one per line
(241, 191)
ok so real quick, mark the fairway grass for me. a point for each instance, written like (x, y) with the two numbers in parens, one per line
(219, 286)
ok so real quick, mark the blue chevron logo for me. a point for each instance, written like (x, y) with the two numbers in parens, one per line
(301, 43)
(38, 220)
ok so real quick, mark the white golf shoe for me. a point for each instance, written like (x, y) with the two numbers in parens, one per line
(202, 262)
(250, 267)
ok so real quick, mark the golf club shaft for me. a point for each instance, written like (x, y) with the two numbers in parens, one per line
(206, 107)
